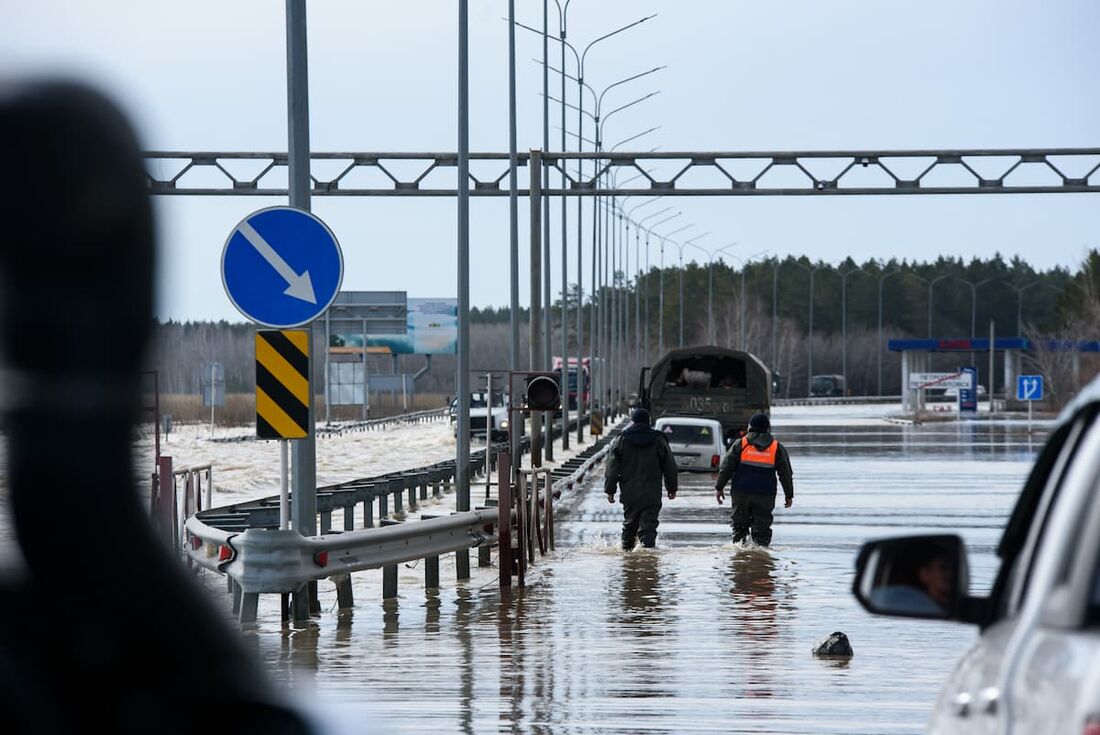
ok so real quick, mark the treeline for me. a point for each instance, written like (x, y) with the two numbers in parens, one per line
(965, 297)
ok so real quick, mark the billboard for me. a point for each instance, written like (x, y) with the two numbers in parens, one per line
(431, 328)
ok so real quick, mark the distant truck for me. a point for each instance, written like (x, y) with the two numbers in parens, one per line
(828, 386)
(708, 382)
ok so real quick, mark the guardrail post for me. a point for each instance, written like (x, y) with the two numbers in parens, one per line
(250, 603)
(164, 501)
(396, 489)
(431, 573)
(520, 489)
(389, 581)
(368, 509)
(484, 552)
(389, 572)
(504, 520)
(344, 598)
(548, 514)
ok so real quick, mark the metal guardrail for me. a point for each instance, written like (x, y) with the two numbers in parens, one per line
(415, 417)
(836, 401)
(336, 429)
(274, 561)
(244, 542)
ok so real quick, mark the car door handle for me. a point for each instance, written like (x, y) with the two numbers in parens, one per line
(961, 704)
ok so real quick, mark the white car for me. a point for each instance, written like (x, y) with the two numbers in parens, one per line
(483, 415)
(696, 443)
(1036, 666)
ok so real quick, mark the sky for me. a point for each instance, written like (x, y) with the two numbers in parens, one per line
(742, 75)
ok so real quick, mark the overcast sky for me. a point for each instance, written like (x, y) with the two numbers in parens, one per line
(742, 75)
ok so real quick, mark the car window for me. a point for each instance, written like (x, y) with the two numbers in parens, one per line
(1028, 521)
(687, 434)
(1093, 616)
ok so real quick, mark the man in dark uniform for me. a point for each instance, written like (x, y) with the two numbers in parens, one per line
(754, 462)
(639, 459)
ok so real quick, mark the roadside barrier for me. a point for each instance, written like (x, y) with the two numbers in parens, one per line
(835, 401)
(243, 541)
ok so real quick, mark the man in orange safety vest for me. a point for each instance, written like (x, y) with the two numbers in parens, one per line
(752, 466)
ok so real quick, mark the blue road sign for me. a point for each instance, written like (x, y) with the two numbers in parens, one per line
(1029, 387)
(282, 267)
(968, 397)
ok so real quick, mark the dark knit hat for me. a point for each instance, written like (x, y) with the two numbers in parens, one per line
(640, 416)
(760, 422)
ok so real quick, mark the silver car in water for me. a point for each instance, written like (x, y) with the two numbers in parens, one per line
(1036, 666)
(696, 443)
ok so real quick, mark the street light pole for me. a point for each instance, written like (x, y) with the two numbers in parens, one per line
(544, 174)
(580, 59)
(881, 280)
(661, 291)
(931, 285)
(812, 270)
(563, 11)
(844, 321)
(681, 248)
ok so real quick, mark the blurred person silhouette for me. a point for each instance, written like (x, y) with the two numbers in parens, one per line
(920, 582)
(100, 627)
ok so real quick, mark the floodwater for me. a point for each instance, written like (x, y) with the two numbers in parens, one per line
(695, 636)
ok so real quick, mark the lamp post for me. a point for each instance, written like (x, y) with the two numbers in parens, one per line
(931, 285)
(710, 289)
(639, 278)
(661, 291)
(742, 301)
(844, 321)
(580, 58)
(812, 270)
(563, 12)
(881, 280)
(681, 249)
(638, 270)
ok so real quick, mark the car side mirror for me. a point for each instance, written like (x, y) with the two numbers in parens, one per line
(913, 576)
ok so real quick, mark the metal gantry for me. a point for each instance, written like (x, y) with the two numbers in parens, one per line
(738, 173)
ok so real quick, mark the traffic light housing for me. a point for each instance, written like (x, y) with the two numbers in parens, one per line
(543, 393)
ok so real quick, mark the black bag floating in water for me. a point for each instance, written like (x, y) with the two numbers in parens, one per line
(835, 646)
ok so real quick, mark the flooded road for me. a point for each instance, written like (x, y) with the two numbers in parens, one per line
(694, 636)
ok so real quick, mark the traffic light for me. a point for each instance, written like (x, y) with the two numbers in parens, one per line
(543, 393)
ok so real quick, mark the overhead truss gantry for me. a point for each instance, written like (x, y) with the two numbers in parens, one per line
(694, 174)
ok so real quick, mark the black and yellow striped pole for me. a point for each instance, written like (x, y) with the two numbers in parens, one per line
(282, 397)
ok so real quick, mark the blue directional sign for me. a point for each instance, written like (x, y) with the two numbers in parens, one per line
(282, 267)
(1029, 387)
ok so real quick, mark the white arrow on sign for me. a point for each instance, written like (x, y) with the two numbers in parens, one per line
(298, 286)
(1031, 388)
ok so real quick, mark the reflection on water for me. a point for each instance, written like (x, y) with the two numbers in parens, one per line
(697, 635)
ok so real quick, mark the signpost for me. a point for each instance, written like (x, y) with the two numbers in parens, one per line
(282, 267)
(968, 396)
(1029, 388)
(213, 388)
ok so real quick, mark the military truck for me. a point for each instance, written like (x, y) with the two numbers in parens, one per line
(709, 382)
